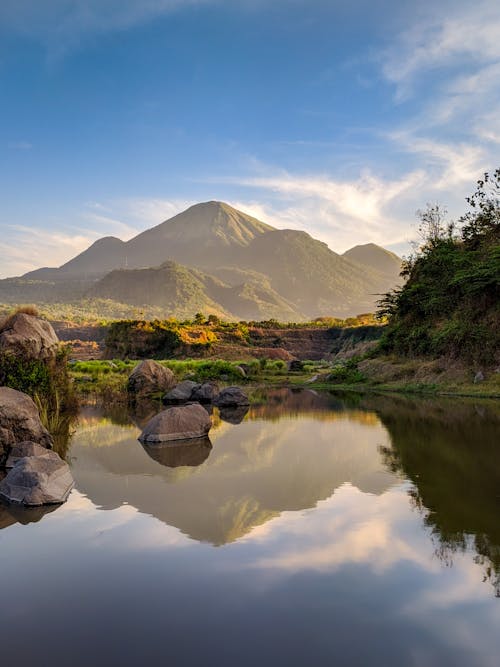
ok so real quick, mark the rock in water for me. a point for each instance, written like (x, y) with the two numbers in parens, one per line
(231, 397)
(19, 421)
(177, 423)
(29, 337)
(149, 377)
(182, 392)
(37, 480)
(23, 449)
(205, 393)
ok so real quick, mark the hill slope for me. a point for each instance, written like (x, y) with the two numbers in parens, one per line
(374, 257)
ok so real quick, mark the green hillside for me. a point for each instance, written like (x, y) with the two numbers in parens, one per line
(450, 304)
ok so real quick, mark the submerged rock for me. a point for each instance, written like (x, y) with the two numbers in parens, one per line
(231, 397)
(29, 337)
(19, 421)
(37, 480)
(182, 393)
(149, 377)
(177, 423)
(205, 393)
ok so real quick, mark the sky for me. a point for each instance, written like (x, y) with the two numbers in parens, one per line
(339, 118)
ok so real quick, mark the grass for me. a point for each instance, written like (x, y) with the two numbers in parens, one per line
(108, 379)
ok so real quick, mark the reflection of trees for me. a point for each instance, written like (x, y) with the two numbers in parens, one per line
(451, 453)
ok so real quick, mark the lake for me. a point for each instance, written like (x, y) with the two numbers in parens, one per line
(314, 530)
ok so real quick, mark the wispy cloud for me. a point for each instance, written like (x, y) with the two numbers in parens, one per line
(25, 248)
(20, 145)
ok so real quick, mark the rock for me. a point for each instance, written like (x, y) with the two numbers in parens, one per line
(478, 377)
(231, 397)
(19, 421)
(29, 337)
(180, 453)
(23, 449)
(234, 415)
(149, 377)
(38, 480)
(182, 392)
(177, 423)
(205, 393)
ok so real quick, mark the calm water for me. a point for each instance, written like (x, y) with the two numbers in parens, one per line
(315, 532)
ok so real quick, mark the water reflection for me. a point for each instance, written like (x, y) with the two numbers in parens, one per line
(451, 453)
(329, 512)
(180, 453)
(270, 463)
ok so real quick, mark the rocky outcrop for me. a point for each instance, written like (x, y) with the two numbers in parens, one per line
(19, 421)
(182, 392)
(29, 337)
(37, 480)
(149, 377)
(231, 397)
(177, 423)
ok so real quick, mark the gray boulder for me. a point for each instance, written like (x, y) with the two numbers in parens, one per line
(149, 377)
(205, 393)
(29, 337)
(23, 449)
(182, 422)
(19, 421)
(231, 397)
(37, 480)
(182, 393)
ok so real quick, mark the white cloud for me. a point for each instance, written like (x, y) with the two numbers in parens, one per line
(466, 35)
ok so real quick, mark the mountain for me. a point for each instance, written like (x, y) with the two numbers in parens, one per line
(216, 259)
(375, 257)
(205, 235)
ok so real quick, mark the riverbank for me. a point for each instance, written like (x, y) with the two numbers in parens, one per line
(107, 379)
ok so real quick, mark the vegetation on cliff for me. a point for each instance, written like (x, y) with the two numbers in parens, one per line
(449, 305)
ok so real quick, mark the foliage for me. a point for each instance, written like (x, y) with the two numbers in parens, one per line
(450, 302)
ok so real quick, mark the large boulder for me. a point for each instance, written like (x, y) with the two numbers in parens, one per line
(182, 422)
(205, 393)
(234, 414)
(37, 480)
(149, 377)
(182, 393)
(19, 421)
(231, 397)
(29, 337)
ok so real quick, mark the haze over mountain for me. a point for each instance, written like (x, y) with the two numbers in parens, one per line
(216, 259)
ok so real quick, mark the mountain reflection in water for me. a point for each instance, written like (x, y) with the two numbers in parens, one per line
(270, 463)
(353, 531)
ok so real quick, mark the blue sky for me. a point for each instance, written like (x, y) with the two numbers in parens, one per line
(340, 118)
